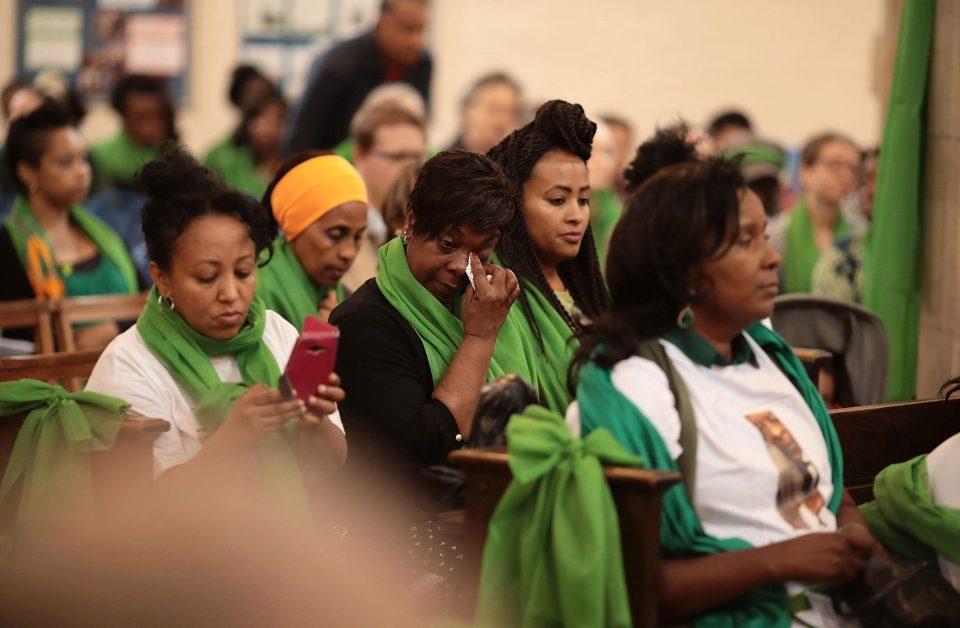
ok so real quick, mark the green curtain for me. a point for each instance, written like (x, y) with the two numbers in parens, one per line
(894, 249)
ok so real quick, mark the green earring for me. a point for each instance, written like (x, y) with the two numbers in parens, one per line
(685, 318)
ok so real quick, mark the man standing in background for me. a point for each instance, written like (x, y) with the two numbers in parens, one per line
(393, 51)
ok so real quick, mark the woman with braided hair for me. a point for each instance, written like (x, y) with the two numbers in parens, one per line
(549, 244)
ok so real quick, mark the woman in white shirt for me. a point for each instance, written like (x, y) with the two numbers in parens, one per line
(682, 373)
(205, 354)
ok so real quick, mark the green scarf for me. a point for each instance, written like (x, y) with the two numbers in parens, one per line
(237, 166)
(905, 518)
(186, 354)
(800, 249)
(442, 331)
(50, 460)
(559, 345)
(552, 555)
(286, 289)
(681, 533)
(605, 209)
(118, 159)
(27, 234)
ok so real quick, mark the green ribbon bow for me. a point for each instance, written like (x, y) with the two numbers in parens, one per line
(553, 554)
(50, 461)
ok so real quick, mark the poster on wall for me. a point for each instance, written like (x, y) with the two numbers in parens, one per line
(92, 43)
(284, 37)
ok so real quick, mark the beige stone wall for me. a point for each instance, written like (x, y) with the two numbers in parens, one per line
(940, 306)
(798, 66)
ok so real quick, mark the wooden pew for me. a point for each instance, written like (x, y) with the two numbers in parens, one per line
(69, 369)
(637, 496)
(36, 314)
(874, 437)
(113, 307)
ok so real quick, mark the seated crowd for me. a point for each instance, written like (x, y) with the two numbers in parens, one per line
(632, 298)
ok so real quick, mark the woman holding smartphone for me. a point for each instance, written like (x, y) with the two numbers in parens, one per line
(206, 354)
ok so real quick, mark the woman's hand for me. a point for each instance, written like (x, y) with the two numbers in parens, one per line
(486, 307)
(830, 558)
(257, 413)
(323, 402)
(323, 446)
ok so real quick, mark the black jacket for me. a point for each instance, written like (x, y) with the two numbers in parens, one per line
(339, 81)
(394, 427)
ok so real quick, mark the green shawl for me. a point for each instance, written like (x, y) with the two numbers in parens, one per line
(237, 166)
(48, 477)
(559, 345)
(441, 330)
(904, 517)
(185, 352)
(681, 533)
(800, 253)
(553, 555)
(605, 209)
(286, 289)
(117, 159)
(23, 227)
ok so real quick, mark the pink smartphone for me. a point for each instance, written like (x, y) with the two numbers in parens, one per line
(312, 359)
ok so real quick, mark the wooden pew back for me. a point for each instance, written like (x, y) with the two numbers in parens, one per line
(112, 307)
(69, 370)
(636, 493)
(874, 437)
(36, 314)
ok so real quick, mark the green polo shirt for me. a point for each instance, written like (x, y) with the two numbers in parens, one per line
(695, 347)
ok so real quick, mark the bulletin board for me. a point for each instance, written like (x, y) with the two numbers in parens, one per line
(94, 42)
(284, 37)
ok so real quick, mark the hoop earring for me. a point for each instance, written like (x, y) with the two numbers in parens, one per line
(160, 299)
(685, 318)
(404, 237)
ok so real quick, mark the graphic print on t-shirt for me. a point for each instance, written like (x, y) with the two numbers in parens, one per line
(799, 501)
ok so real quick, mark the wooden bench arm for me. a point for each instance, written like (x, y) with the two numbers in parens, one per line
(497, 459)
(143, 427)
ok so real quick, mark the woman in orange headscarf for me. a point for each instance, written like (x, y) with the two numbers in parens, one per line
(320, 204)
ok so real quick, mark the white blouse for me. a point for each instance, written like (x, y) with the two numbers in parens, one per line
(762, 470)
(127, 369)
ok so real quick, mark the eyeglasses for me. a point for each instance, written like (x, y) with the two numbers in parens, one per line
(397, 156)
(836, 166)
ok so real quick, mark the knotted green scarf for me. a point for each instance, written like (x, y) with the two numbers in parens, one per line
(559, 345)
(27, 234)
(286, 289)
(442, 331)
(117, 159)
(605, 209)
(904, 517)
(237, 166)
(50, 461)
(800, 249)
(553, 555)
(185, 352)
(681, 533)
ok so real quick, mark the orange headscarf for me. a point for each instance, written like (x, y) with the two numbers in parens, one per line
(313, 188)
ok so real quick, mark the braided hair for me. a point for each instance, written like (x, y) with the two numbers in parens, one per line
(558, 125)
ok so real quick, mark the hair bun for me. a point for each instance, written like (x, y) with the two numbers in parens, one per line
(667, 147)
(175, 174)
(567, 125)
